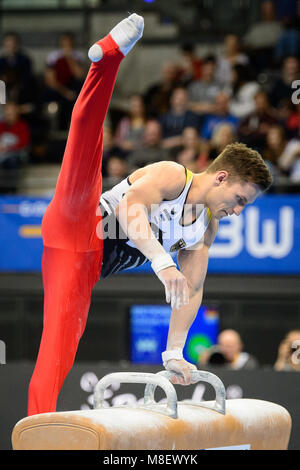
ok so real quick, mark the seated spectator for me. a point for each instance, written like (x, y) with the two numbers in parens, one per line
(129, 132)
(203, 92)
(190, 65)
(13, 59)
(288, 357)
(288, 44)
(253, 129)
(64, 77)
(17, 73)
(289, 159)
(276, 145)
(109, 148)
(151, 150)
(221, 116)
(14, 138)
(292, 121)
(116, 169)
(157, 97)
(230, 56)
(262, 36)
(223, 135)
(282, 90)
(229, 353)
(191, 155)
(243, 91)
(177, 119)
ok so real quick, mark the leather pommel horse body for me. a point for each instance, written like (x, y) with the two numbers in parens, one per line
(173, 425)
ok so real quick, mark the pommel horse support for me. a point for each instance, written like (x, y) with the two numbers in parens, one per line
(171, 425)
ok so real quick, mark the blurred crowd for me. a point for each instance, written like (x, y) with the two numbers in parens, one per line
(247, 92)
(230, 353)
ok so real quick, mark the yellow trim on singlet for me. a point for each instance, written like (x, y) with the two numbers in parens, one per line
(209, 215)
(189, 176)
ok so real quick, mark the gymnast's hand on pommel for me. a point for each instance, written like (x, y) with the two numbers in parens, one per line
(181, 367)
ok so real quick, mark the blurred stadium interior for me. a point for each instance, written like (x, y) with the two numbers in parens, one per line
(263, 305)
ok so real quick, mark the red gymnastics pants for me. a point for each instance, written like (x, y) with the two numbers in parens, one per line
(72, 255)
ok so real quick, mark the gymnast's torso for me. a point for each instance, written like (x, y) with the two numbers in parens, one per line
(165, 219)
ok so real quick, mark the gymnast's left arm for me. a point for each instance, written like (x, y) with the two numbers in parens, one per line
(193, 264)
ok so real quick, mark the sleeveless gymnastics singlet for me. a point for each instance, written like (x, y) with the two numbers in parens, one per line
(119, 253)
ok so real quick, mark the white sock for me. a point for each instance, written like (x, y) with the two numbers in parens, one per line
(125, 34)
(128, 32)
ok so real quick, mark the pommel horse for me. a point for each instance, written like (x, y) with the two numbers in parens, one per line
(172, 425)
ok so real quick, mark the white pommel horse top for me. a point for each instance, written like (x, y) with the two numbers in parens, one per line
(186, 425)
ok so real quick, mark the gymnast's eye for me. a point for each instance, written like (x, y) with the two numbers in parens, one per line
(240, 200)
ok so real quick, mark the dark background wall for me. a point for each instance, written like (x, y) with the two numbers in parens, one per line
(262, 309)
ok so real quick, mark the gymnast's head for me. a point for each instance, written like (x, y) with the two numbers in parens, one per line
(238, 176)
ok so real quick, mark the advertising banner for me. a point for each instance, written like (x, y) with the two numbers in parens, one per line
(264, 239)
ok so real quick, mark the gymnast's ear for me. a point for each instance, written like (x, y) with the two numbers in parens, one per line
(221, 177)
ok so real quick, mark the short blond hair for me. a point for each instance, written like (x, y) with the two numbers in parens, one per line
(244, 163)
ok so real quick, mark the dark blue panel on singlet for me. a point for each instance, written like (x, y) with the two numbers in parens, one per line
(117, 255)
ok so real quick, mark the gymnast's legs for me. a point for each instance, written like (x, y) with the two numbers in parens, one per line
(72, 255)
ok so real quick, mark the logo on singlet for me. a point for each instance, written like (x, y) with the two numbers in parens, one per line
(178, 245)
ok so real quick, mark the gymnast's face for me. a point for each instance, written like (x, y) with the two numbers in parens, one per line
(229, 197)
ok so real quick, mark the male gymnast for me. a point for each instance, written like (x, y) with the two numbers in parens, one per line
(158, 210)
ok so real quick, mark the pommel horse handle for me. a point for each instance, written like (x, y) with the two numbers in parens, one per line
(196, 376)
(154, 380)
(161, 379)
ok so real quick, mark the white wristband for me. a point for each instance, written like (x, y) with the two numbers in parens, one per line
(162, 262)
(172, 354)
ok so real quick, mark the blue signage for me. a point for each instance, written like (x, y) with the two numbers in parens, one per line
(149, 325)
(20, 233)
(264, 239)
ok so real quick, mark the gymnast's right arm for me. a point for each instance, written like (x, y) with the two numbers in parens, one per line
(163, 180)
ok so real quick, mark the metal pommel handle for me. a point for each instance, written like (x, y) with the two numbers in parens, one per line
(196, 376)
(154, 380)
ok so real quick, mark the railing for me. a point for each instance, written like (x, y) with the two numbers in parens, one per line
(209, 19)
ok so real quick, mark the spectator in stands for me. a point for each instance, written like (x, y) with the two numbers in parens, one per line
(117, 169)
(254, 128)
(220, 116)
(157, 97)
(203, 92)
(276, 145)
(130, 130)
(13, 60)
(288, 44)
(110, 148)
(262, 36)
(14, 138)
(292, 122)
(64, 76)
(17, 73)
(230, 57)
(191, 154)
(243, 91)
(223, 135)
(288, 357)
(229, 353)
(289, 159)
(190, 65)
(282, 90)
(151, 150)
(177, 119)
